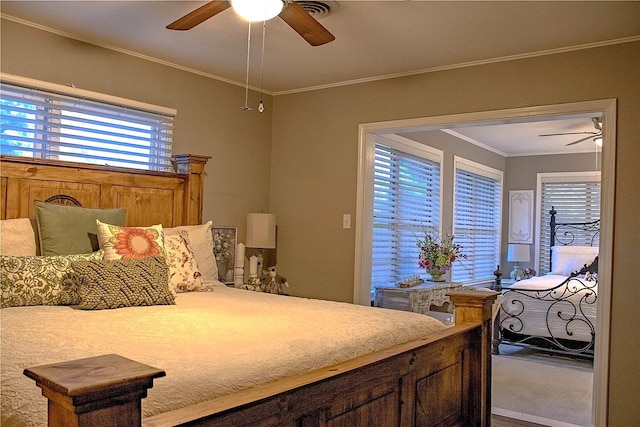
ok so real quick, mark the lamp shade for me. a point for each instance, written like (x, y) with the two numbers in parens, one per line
(261, 230)
(518, 253)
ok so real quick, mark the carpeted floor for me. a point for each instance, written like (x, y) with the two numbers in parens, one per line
(542, 389)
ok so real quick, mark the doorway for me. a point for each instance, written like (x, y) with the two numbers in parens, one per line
(605, 108)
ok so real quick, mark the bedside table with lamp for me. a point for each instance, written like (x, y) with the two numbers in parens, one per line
(518, 253)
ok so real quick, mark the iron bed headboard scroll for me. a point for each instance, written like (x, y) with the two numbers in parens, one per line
(564, 233)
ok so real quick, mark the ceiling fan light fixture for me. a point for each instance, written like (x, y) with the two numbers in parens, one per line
(257, 10)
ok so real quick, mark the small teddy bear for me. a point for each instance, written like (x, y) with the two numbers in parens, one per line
(273, 283)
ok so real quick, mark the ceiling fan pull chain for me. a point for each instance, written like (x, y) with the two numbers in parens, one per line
(264, 30)
(246, 87)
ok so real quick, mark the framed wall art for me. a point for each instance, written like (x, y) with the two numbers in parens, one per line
(225, 240)
(521, 216)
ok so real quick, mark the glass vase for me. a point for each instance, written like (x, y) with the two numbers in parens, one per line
(436, 275)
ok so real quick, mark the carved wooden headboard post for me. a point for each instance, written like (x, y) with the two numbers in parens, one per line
(194, 166)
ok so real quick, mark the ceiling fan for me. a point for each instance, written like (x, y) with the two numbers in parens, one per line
(289, 11)
(592, 135)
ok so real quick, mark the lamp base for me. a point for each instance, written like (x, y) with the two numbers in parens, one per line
(260, 263)
(518, 273)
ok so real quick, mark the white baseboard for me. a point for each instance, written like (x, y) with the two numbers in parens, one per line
(530, 418)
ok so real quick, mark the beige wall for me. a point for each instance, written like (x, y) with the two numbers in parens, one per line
(307, 149)
(314, 158)
(209, 120)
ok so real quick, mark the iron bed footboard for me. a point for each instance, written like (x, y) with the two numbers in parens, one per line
(565, 316)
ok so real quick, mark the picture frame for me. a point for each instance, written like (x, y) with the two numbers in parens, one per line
(521, 216)
(225, 240)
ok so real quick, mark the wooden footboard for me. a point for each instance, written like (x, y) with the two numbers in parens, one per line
(442, 379)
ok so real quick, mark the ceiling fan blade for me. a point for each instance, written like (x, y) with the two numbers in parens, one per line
(199, 15)
(305, 25)
(570, 133)
(581, 140)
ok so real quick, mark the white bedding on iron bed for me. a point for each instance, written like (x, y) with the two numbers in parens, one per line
(541, 317)
(209, 344)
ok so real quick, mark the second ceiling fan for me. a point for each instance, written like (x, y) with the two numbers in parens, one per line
(591, 135)
(291, 13)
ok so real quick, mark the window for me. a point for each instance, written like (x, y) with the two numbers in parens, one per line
(406, 202)
(477, 214)
(576, 198)
(44, 124)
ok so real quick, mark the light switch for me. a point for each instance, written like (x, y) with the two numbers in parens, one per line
(346, 221)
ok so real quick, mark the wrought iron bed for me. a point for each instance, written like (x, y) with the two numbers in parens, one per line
(557, 318)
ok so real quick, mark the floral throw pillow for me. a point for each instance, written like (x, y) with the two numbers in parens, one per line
(40, 280)
(184, 273)
(201, 242)
(130, 242)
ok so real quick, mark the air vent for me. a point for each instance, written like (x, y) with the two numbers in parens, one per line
(317, 9)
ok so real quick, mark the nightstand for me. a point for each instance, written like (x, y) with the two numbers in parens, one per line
(506, 283)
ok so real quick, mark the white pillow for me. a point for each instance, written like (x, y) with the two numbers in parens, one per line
(567, 259)
(201, 242)
(17, 237)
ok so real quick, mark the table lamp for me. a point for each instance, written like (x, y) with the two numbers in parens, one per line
(261, 234)
(518, 253)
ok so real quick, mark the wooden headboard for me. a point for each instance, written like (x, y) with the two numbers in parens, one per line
(149, 197)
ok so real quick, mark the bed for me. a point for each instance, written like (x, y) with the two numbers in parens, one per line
(556, 312)
(217, 355)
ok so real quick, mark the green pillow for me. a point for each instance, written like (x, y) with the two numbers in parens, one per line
(69, 230)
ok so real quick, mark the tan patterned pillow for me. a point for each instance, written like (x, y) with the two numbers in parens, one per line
(130, 242)
(123, 283)
(40, 280)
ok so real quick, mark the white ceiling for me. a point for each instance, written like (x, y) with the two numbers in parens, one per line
(374, 39)
(523, 138)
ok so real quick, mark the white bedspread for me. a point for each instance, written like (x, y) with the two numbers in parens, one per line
(209, 344)
(547, 281)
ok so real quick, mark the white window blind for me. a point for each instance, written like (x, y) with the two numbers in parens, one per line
(406, 203)
(574, 201)
(43, 124)
(477, 218)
